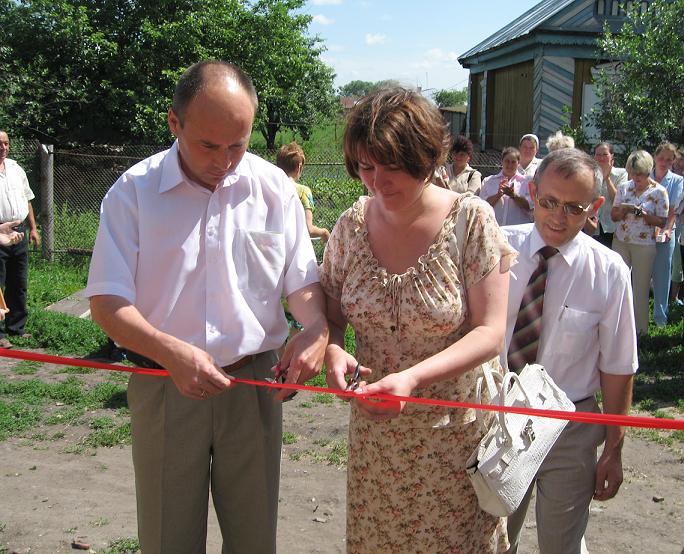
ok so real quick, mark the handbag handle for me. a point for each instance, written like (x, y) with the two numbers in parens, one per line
(495, 386)
(509, 380)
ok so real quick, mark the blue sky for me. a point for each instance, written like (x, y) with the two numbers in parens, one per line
(414, 41)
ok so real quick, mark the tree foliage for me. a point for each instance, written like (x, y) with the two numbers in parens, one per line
(358, 89)
(103, 71)
(448, 98)
(643, 101)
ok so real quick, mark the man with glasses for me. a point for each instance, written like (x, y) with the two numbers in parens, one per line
(586, 341)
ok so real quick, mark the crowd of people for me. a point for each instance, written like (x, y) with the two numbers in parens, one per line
(438, 271)
(638, 219)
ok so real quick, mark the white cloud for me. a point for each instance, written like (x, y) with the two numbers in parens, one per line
(438, 55)
(326, 2)
(322, 20)
(375, 38)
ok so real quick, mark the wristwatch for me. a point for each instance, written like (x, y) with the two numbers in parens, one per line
(638, 211)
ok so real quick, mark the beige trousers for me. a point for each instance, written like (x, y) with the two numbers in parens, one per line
(640, 258)
(182, 448)
(565, 486)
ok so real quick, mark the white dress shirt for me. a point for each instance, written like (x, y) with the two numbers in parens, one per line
(588, 319)
(207, 267)
(15, 192)
(507, 212)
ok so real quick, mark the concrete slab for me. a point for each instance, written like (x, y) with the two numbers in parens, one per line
(76, 305)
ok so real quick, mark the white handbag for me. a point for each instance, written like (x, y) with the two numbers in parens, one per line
(509, 455)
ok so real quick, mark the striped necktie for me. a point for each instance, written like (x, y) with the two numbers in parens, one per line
(528, 325)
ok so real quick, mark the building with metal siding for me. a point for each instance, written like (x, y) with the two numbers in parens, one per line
(525, 77)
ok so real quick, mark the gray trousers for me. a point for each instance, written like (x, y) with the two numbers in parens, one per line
(565, 486)
(182, 448)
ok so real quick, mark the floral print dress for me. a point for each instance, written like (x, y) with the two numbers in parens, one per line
(407, 489)
(633, 229)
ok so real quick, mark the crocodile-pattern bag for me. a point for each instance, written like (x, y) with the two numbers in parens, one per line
(509, 455)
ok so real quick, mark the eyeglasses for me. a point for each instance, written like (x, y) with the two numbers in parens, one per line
(570, 208)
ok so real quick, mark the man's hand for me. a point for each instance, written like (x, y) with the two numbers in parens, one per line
(8, 236)
(303, 356)
(194, 371)
(34, 237)
(608, 475)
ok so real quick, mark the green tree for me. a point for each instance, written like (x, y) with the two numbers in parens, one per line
(363, 88)
(103, 71)
(447, 98)
(357, 88)
(642, 102)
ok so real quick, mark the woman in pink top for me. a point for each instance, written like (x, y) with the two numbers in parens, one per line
(508, 191)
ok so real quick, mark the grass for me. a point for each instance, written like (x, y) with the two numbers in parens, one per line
(26, 367)
(25, 404)
(126, 545)
(289, 438)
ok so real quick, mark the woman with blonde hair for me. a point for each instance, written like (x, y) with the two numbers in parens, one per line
(558, 140)
(421, 274)
(640, 206)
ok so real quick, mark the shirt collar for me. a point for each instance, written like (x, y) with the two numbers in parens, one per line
(172, 175)
(568, 251)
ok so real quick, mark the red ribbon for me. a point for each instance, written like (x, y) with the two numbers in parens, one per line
(583, 417)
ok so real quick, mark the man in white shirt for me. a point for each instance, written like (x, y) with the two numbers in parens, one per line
(587, 344)
(529, 146)
(196, 247)
(15, 206)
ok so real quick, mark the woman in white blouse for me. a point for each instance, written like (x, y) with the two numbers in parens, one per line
(639, 207)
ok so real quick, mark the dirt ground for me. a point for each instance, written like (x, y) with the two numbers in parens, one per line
(48, 497)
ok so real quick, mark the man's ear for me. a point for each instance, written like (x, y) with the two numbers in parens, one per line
(533, 191)
(174, 122)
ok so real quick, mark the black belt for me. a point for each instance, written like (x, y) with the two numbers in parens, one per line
(147, 363)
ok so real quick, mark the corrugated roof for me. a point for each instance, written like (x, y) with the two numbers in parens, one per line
(524, 24)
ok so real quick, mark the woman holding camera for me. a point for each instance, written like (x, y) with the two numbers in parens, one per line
(640, 206)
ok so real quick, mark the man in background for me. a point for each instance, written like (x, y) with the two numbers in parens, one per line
(15, 206)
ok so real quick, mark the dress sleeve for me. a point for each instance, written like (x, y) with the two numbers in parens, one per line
(484, 243)
(333, 271)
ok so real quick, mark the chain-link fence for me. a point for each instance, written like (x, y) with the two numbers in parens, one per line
(83, 175)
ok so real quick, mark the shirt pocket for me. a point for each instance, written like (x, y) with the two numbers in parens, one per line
(576, 332)
(259, 260)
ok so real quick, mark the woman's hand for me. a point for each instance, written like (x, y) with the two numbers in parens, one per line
(399, 384)
(339, 364)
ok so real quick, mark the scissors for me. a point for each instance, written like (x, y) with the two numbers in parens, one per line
(354, 381)
(280, 376)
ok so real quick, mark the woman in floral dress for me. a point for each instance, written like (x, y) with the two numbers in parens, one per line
(640, 206)
(421, 274)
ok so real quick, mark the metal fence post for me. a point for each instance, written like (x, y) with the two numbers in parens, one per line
(47, 204)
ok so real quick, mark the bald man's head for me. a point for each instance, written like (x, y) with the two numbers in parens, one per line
(207, 74)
